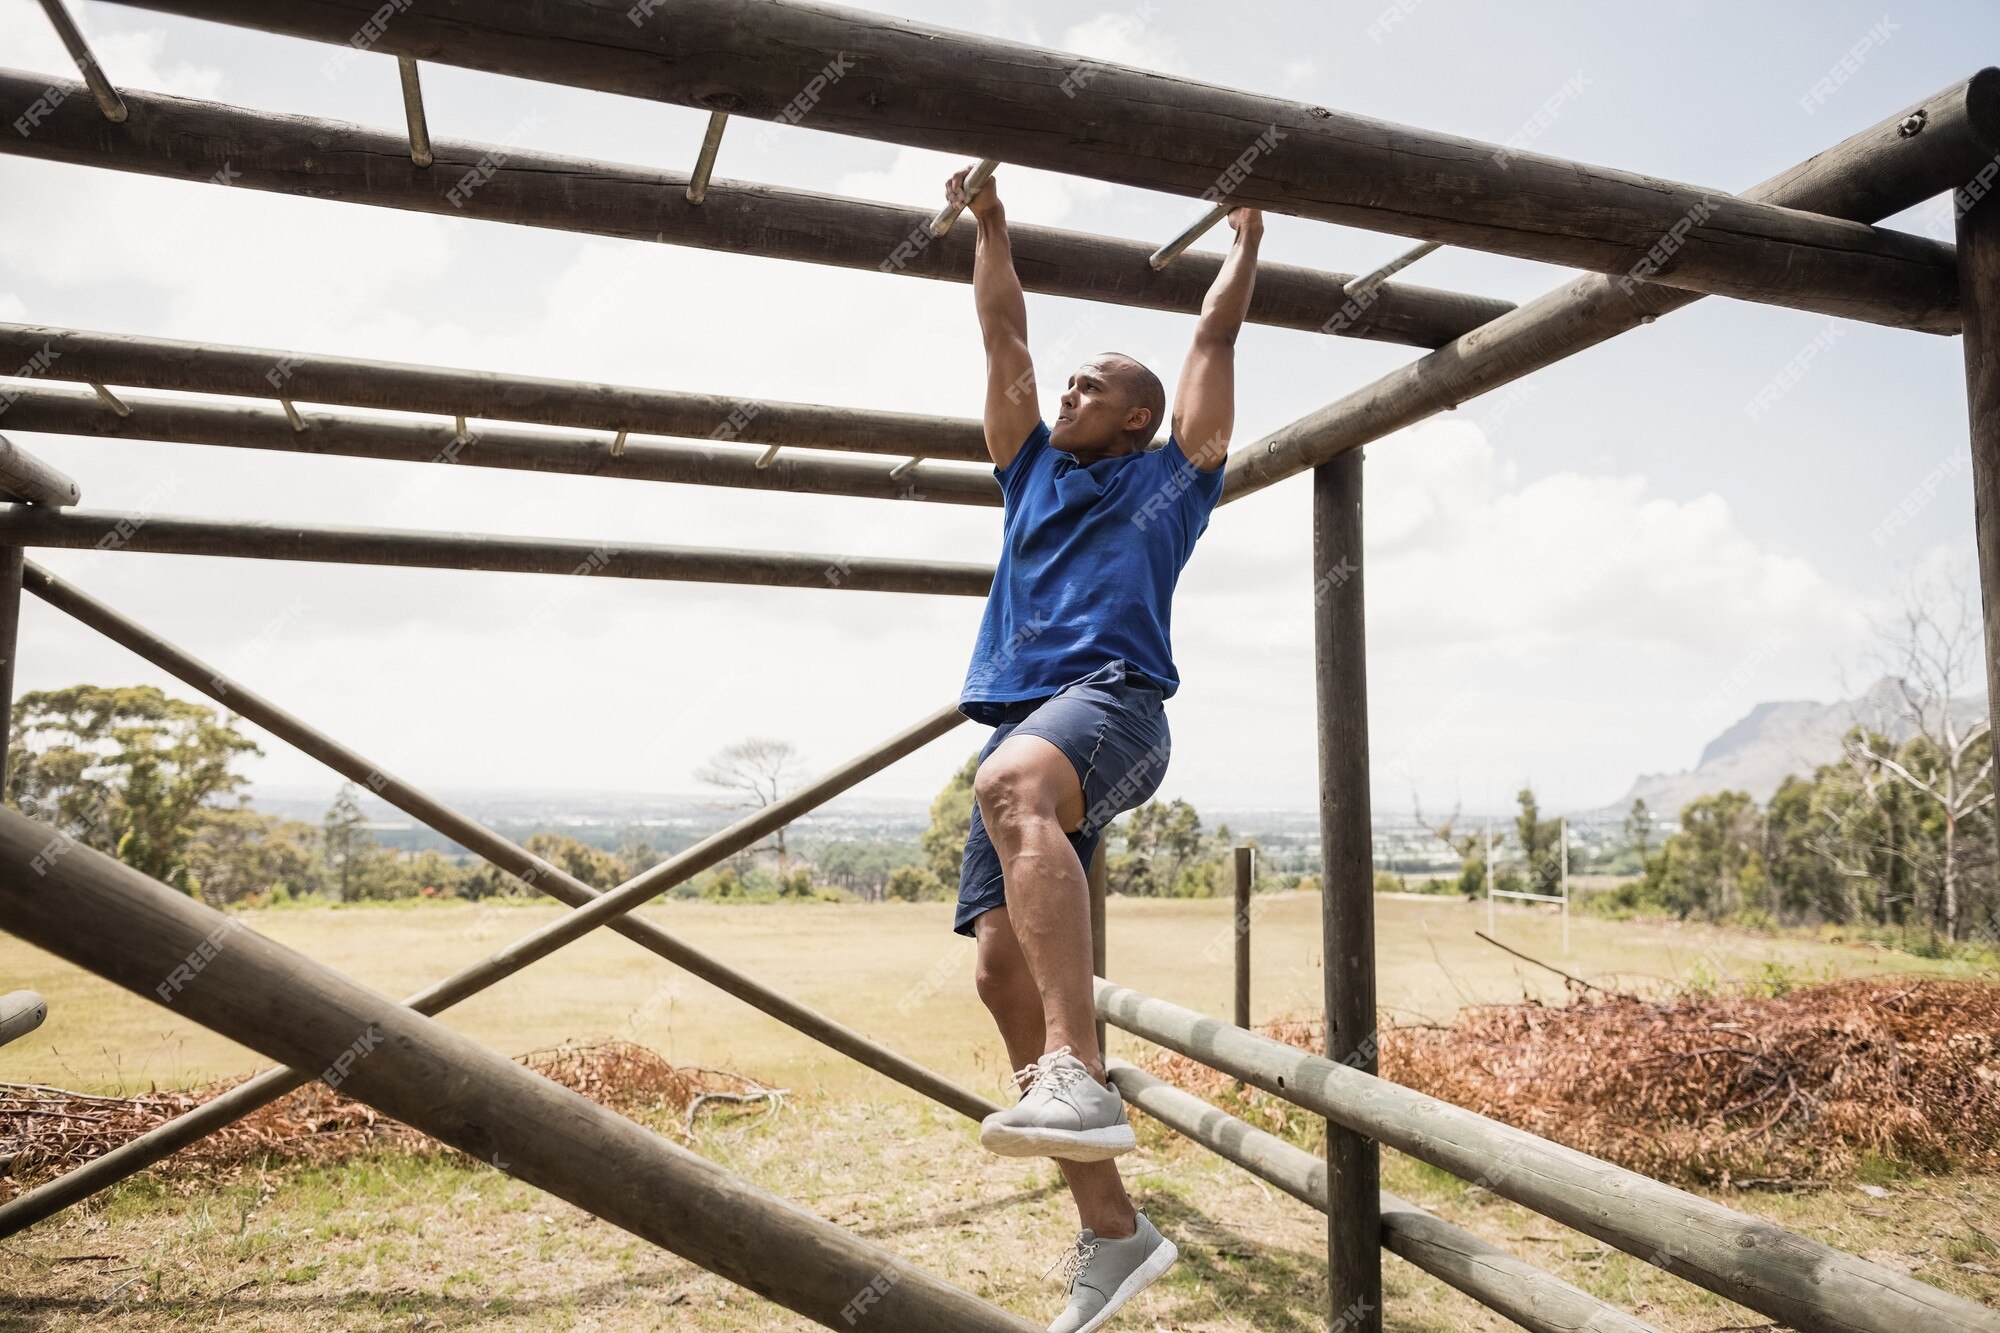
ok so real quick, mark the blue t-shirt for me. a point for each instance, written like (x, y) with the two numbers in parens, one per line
(1088, 561)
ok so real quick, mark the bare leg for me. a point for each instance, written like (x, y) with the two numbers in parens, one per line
(1028, 795)
(1009, 992)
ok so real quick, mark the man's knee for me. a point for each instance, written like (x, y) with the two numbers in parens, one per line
(1010, 793)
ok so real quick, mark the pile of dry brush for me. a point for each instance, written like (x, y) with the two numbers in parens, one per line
(1705, 1088)
(46, 1131)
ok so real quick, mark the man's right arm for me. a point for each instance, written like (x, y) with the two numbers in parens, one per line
(1012, 411)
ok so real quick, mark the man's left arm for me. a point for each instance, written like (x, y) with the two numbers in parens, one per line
(1205, 400)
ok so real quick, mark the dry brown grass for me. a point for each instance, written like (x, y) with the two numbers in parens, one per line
(1709, 1087)
(47, 1131)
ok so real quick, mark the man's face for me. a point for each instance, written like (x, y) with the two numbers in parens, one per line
(1096, 411)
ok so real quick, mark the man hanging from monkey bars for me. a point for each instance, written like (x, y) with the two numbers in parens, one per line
(1071, 668)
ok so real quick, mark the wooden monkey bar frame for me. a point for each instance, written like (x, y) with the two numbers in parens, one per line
(186, 139)
(929, 87)
(1802, 239)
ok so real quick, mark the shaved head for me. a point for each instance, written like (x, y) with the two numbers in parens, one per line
(1142, 388)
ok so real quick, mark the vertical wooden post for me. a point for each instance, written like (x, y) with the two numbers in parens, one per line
(11, 562)
(1565, 887)
(1979, 307)
(1244, 862)
(1099, 879)
(1347, 885)
(1486, 864)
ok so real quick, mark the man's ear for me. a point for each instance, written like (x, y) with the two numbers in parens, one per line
(1138, 419)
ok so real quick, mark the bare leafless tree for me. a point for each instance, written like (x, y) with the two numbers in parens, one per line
(1928, 653)
(761, 769)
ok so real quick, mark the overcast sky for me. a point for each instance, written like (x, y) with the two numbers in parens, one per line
(1571, 581)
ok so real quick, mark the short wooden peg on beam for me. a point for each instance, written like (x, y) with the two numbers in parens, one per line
(107, 98)
(975, 181)
(413, 111)
(704, 163)
(1200, 227)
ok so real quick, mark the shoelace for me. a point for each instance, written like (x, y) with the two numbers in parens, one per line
(1073, 1261)
(1048, 1070)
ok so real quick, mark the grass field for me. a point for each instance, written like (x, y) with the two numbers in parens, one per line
(435, 1242)
(895, 971)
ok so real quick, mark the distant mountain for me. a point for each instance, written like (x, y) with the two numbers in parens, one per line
(1777, 739)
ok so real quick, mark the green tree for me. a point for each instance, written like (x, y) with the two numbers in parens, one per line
(1806, 882)
(863, 867)
(1715, 865)
(1541, 843)
(1161, 840)
(723, 884)
(345, 843)
(389, 875)
(598, 869)
(1639, 829)
(913, 884)
(238, 854)
(637, 856)
(125, 769)
(943, 842)
(1471, 849)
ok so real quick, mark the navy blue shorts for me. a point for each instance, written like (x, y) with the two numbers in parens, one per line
(1112, 725)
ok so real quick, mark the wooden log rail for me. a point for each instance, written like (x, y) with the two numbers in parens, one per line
(137, 1154)
(260, 372)
(190, 140)
(166, 534)
(26, 478)
(912, 83)
(1500, 1281)
(1811, 1287)
(108, 918)
(64, 411)
(1874, 174)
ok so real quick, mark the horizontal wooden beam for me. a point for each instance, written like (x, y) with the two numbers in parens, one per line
(912, 83)
(166, 534)
(26, 477)
(127, 360)
(240, 426)
(206, 142)
(169, 948)
(1502, 1282)
(1802, 1283)
(1878, 172)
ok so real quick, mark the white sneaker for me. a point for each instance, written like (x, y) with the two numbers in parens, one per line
(1065, 1113)
(1104, 1274)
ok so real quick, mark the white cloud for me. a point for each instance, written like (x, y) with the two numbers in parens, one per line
(1130, 38)
(138, 58)
(1564, 625)
(1297, 74)
(237, 263)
